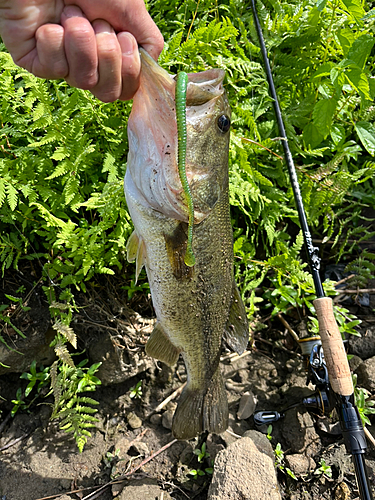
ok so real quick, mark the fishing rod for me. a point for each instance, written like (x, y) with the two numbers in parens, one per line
(335, 359)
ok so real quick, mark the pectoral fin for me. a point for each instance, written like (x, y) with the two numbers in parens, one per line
(236, 333)
(136, 251)
(160, 347)
(176, 244)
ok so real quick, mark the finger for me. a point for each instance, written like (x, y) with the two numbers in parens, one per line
(108, 88)
(145, 31)
(80, 49)
(131, 65)
(128, 16)
(50, 61)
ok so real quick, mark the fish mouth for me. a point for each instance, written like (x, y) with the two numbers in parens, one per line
(153, 138)
(202, 87)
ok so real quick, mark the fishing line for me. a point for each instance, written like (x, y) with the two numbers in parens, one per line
(181, 88)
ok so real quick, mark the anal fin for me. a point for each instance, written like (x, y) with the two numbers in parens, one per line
(160, 347)
(236, 333)
(136, 251)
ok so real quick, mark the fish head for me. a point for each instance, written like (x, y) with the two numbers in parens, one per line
(153, 141)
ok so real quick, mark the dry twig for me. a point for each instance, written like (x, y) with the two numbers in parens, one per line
(171, 397)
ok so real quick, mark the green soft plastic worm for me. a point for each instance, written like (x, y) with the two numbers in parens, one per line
(181, 87)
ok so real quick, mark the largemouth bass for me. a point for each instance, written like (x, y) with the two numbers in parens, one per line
(196, 307)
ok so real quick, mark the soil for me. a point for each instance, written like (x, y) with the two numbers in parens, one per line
(39, 461)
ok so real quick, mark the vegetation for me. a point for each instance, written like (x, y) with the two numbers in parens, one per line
(63, 158)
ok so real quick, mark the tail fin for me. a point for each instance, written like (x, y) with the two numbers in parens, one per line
(200, 411)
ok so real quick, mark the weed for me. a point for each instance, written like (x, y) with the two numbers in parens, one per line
(202, 456)
(35, 377)
(279, 463)
(323, 470)
(364, 405)
(71, 407)
(136, 391)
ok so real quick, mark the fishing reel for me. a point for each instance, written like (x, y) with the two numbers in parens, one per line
(322, 401)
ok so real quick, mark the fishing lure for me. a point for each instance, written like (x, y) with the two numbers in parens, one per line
(181, 87)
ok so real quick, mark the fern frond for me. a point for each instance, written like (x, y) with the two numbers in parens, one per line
(63, 353)
(66, 331)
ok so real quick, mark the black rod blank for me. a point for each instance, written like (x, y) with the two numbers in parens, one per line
(312, 252)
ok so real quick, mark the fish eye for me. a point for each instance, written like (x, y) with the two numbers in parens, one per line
(223, 122)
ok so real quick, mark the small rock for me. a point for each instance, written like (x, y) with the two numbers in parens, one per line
(326, 425)
(277, 381)
(134, 421)
(342, 492)
(117, 366)
(65, 484)
(261, 442)
(140, 448)
(363, 346)
(241, 471)
(167, 419)
(122, 445)
(247, 405)
(354, 363)
(172, 405)
(143, 489)
(156, 419)
(299, 432)
(300, 464)
(366, 374)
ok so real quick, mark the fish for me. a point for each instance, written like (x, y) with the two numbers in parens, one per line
(197, 307)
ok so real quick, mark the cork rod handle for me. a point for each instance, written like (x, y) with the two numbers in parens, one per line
(333, 347)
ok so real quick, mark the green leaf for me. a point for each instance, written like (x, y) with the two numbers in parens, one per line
(337, 133)
(354, 9)
(323, 114)
(346, 38)
(311, 135)
(361, 49)
(366, 133)
(358, 79)
(11, 196)
(320, 4)
(2, 191)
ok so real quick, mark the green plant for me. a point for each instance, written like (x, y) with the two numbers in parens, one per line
(34, 377)
(202, 456)
(6, 312)
(269, 432)
(71, 407)
(135, 286)
(323, 470)
(136, 391)
(364, 405)
(279, 463)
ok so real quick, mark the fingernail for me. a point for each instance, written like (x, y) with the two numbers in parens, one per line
(127, 43)
(101, 26)
(73, 11)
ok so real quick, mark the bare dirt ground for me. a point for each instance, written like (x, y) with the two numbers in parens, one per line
(132, 449)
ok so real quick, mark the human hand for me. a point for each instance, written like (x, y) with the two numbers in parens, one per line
(93, 44)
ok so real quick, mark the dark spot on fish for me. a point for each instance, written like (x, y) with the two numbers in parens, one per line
(167, 153)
